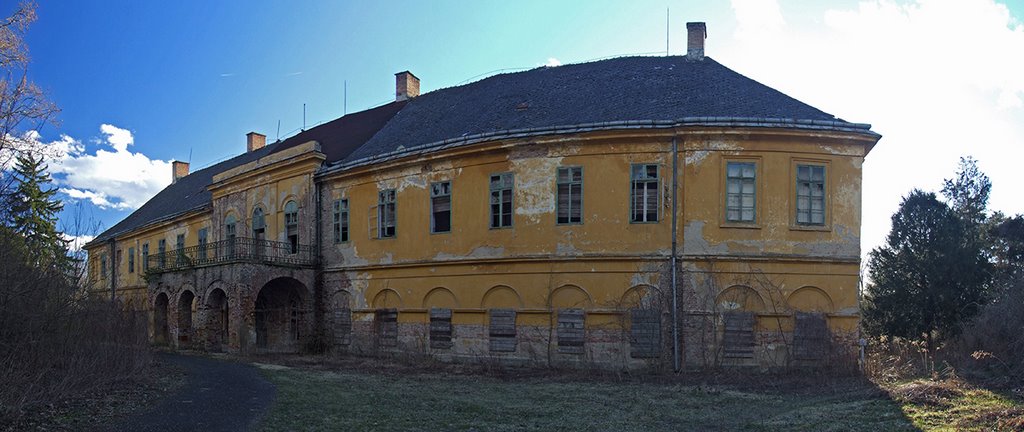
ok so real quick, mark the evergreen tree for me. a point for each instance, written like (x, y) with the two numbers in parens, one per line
(968, 192)
(929, 277)
(33, 210)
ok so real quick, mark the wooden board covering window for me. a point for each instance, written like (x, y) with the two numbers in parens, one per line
(738, 334)
(644, 333)
(571, 331)
(502, 330)
(440, 328)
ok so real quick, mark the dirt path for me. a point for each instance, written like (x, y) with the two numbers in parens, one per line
(218, 395)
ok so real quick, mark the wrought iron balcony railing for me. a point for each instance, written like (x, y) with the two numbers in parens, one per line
(239, 249)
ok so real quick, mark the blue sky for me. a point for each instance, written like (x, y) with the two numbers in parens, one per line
(143, 83)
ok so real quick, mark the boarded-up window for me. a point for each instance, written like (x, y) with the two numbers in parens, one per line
(810, 336)
(343, 326)
(440, 328)
(738, 337)
(570, 331)
(502, 330)
(386, 321)
(644, 333)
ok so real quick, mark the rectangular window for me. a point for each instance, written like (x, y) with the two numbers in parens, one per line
(501, 200)
(810, 195)
(570, 195)
(502, 330)
(341, 221)
(179, 245)
(740, 195)
(145, 256)
(386, 213)
(571, 330)
(118, 259)
(131, 260)
(644, 193)
(162, 253)
(440, 328)
(441, 207)
(103, 266)
(203, 233)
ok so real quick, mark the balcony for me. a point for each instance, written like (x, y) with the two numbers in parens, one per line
(237, 250)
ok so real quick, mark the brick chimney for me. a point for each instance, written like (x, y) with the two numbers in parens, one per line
(696, 32)
(179, 169)
(407, 86)
(254, 141)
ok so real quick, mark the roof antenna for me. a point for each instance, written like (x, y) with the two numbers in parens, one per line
(344, 109)
(190, 155)
(303, 117)
(278, 130)
(666, 31)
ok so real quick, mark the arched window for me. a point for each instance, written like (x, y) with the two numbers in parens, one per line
(291, 225)
(230, 224)
(259, 224)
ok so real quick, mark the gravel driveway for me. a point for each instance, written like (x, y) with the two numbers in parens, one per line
(218, 395)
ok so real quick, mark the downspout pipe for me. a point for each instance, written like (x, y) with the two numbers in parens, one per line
(675, 282)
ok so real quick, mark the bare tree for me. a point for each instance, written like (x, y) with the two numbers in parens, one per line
(23, 105)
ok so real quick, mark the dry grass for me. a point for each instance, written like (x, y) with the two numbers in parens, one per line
(952, 404)
(315, 397)
(103, 405)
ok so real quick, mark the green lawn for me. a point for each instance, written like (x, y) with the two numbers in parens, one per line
(316, 400)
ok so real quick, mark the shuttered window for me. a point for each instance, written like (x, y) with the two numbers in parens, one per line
(570, 195)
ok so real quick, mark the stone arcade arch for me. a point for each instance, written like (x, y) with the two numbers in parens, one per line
(186, 303)
(161, 330)
(217, 320)
(281, 315)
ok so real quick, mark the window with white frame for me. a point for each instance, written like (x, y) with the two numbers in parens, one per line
(501, 200)
(740, 192)
(441, 207)
(386, 224)
(810, 195)
(341, 221)
(570, 195)
(644, 193)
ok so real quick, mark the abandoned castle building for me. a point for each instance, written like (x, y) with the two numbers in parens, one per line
(626, 212)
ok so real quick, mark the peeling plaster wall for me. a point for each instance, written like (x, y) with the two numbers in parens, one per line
(609, 263)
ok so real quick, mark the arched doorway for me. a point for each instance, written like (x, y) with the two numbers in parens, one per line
(185, 304)
(161, 332)
(217, 319)
(281, 315)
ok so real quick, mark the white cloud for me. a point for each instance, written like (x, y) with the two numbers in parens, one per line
(118, 179)
(938, 79)
(552, 62)
(118, 138)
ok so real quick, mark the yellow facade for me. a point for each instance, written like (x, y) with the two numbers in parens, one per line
(613, 240)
